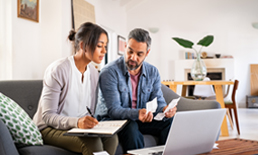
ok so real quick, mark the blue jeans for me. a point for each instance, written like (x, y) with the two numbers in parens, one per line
(131, 136)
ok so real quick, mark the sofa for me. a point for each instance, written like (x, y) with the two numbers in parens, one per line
(27, 93)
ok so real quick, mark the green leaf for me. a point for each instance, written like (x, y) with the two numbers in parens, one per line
(206, 41)
(183, 42)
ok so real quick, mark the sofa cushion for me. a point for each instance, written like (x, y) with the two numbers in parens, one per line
(19, 124)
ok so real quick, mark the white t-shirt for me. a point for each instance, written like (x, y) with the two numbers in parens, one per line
(79, 92)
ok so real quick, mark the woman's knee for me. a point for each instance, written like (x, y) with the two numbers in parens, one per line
(110, 144)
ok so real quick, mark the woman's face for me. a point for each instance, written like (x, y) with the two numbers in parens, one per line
(101, 49)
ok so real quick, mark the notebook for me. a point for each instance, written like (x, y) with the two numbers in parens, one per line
(103, 129)
(192, 132)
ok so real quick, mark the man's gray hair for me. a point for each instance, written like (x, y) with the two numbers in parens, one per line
(140, 35)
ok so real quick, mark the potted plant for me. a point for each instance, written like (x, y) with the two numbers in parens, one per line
(198, 71)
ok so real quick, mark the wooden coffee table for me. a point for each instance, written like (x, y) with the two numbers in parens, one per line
(235, 146)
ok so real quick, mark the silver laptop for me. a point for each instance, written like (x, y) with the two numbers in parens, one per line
(192, 132)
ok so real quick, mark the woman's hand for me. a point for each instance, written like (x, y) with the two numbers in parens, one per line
(87, 122)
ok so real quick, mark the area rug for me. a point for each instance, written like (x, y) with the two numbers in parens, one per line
(235, 146)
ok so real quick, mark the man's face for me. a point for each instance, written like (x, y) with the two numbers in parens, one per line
(135, 54)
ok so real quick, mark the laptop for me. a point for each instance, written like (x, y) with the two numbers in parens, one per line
(192, 132)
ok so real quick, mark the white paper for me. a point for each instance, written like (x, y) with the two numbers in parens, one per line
(215, 146)
(100, 153)
(159, 116)
(151, 106)
(104, 127)
(171, 105)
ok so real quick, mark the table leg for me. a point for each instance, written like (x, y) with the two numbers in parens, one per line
(220, 99)
(184, 90)
(173, 87)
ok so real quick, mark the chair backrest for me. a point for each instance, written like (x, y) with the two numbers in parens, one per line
(204, 90)
(233, 97)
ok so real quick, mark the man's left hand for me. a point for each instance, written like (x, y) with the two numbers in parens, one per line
(171, 112)
(149, 117)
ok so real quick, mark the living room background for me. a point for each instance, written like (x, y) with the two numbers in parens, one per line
(27, 47)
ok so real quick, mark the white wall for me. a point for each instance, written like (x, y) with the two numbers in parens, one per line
(229, 21)
(30, 47)
(33, 46)
(5, 39)
(55, 24)
(111, 16)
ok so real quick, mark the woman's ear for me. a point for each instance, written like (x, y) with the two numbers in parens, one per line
(81, 45)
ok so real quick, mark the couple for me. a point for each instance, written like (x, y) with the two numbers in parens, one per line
(126, 85)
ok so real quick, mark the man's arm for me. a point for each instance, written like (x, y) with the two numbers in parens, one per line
(160, 99)
(108, 83)
(157, 92)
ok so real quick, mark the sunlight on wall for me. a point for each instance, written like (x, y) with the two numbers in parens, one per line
(5, 40)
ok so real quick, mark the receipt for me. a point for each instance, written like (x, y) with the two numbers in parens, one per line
(159, 116)
(171, 105)
(151, 106)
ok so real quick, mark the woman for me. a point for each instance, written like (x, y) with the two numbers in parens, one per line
(69, 86)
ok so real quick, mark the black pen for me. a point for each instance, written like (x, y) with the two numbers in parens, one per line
(89, 111)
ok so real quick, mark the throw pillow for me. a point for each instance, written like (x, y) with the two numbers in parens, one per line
(18, 122)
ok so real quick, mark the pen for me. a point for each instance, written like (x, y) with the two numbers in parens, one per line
(89, 111)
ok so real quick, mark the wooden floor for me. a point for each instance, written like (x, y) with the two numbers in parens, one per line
(248, 120)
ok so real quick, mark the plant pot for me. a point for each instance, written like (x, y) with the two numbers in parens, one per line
(198, 71)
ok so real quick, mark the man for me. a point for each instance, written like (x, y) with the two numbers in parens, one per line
(126, 85)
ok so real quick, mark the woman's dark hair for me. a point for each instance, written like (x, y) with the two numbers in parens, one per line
(89, 34)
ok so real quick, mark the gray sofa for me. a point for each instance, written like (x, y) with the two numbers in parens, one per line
(26, 93)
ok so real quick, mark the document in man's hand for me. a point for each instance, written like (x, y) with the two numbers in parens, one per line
(171, 105)
(103, 129)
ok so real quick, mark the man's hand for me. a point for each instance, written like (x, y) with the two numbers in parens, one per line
(171, 112)
(87, 122)
(143, 117)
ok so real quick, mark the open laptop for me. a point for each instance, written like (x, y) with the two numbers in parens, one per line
(192, 132)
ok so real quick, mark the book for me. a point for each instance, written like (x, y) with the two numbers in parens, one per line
(103, 129)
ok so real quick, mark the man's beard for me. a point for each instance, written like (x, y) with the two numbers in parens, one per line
(133, 67)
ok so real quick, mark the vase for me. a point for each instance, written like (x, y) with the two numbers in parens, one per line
(198, 71)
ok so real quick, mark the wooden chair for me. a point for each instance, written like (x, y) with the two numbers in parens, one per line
(233, 105)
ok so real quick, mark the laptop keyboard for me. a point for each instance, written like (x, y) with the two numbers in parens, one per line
(156, 153)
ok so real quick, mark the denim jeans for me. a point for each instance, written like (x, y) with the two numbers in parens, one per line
(131, 137)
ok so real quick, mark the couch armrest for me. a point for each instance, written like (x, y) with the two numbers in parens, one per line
(185, 104)
(7, 146)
